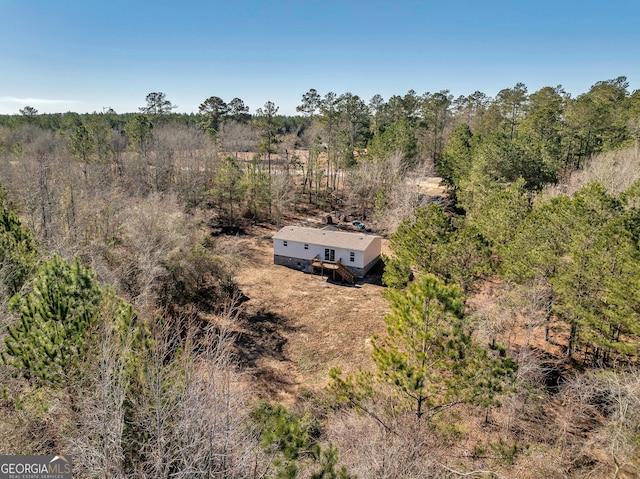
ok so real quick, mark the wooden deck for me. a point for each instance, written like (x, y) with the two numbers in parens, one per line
(337, 267)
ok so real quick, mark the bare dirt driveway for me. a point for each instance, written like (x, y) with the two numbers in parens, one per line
(298, 326)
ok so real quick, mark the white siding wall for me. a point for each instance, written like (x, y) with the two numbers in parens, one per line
(296, 250)
(293, 249)
(343, 254)
(373, 251)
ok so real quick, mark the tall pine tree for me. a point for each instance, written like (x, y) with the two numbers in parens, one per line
(55, 320)
(428, 359)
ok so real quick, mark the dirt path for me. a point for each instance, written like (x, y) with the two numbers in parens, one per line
(298, 326)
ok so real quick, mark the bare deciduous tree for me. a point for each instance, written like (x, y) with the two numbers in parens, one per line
(151, 228)
(600, 424)
(236, 137)
(99, 448)
(192, 414)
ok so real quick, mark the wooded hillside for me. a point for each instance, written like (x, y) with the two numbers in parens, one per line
(511, 337)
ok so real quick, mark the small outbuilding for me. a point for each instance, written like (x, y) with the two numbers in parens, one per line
(305, 248)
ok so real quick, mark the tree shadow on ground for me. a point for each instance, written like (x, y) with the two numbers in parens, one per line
(260, 340)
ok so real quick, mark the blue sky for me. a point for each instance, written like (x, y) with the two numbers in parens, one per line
(71, 55)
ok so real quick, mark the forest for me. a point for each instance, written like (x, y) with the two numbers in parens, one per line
(510, 346)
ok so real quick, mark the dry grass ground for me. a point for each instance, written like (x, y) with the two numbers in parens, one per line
(295, 327)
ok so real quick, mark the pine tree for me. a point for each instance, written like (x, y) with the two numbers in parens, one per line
(228, 191)
(455, 164)
(435, 243)
(82, 145)
(592, 291)
(55, 321)
(586, 249)
(500, 215)
(396, 138)
(139, 129)
(257, 187)
(428, 359)
(290, 441)
(18, 250)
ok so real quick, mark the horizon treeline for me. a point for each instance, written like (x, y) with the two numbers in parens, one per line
(473, 140)
(431, 111)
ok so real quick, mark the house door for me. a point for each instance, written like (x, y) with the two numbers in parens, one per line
(329, 255)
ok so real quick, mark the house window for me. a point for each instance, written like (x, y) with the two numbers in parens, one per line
(329, 254)
(352, 257)
(306, 246)
(284, 242)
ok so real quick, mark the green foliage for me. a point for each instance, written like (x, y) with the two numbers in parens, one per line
(465, 258)
(586, 247)
(268, 127)
(511, 102)
(292, 443)
(592, 289)
(195, 278)
(18, 249)
(157, 104)
(501, 213)
(435, 113)
(90, 140)
(28, 111)
(450, 427)
(397, 273)
(309, 103)
(433, 242)
(82, 144)
(327, 464)
(617, 250)
(398, 137)
(257, 190)
(631, 197)
(416, 241)
(282, 431)
(596, 120)
(406, 107)
(456, 160)
(427, 355)
(539, 242)
(540, 138)
(427, 359)
(506, 453)
(139, 129)
(498, 161)
(354, 125)
(541, 129)
(101, 133)
(546, 235)
(55, 321)
(423, 334)
(228, 191)
(212, 111)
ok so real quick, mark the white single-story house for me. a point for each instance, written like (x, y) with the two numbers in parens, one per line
(298, 247)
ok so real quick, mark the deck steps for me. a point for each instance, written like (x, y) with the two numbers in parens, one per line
(337, 267)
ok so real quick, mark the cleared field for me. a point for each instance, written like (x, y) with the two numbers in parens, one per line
(298, 326)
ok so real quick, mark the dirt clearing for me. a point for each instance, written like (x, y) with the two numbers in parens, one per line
(298, 326)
